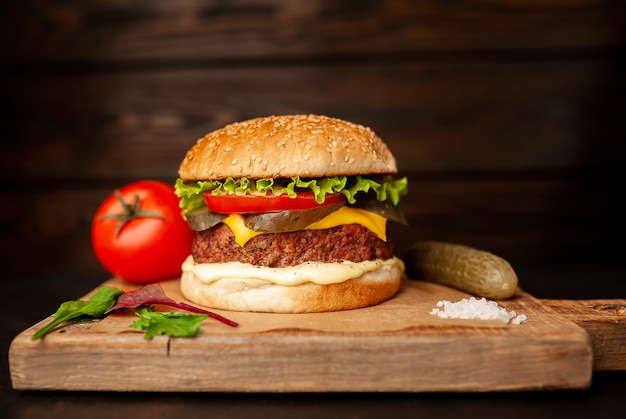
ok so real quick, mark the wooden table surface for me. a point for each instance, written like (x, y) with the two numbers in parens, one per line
(27, 300)
(507, 117)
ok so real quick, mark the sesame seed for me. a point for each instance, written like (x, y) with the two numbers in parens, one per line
(234, 161)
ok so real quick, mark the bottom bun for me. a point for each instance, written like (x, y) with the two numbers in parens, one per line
(257, 295)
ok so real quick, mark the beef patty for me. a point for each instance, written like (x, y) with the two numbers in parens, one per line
(351, 242)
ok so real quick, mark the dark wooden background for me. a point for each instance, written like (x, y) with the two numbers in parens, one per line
(507, 116)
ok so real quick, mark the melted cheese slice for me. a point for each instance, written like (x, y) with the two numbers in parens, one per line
(317, 272)
(344, 215)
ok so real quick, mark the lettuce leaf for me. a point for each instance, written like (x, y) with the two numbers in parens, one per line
(95, 307)
(172, 323)
(385, 188)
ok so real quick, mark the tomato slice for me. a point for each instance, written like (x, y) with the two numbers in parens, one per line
(241, 204)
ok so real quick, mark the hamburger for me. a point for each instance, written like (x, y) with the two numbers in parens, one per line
(291, 215)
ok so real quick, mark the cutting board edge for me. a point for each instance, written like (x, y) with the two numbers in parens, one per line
(329, 363)
(409, 360)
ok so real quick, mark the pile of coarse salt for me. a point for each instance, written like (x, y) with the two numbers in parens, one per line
(472, 308)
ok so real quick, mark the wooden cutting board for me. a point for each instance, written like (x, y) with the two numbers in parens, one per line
(397, 346)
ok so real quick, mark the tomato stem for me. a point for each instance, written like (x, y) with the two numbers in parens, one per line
(130, 213)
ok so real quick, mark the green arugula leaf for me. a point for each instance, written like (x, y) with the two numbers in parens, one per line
(95, 307)
(172, 324)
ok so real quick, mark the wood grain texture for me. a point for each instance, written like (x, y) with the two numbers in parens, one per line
(528, 222)
(125, 31)
(507, 116)
(299, 353)
(605, 321)
(434, 116)
(306, 362)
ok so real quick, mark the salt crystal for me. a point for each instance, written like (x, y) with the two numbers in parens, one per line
(519, 319)
(473, 308)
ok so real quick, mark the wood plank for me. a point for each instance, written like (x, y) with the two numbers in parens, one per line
(404, 347)
(605, 321)
(208, 30)
(528, 222)
(435, 117)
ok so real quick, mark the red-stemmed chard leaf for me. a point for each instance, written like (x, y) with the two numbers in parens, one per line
(154, 294)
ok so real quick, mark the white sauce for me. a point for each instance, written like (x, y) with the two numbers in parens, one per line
(316, 272)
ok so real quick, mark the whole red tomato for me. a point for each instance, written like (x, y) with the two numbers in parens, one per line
(139, 234)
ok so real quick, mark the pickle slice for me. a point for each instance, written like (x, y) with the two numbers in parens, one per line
(384, 208)
(285, 221)
(203, 219)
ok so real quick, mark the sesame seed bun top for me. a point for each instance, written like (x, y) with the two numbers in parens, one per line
(286, 146)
